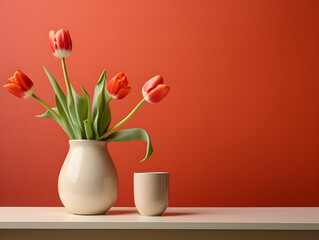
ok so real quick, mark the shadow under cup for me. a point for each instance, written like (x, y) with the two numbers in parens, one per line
(151, 192)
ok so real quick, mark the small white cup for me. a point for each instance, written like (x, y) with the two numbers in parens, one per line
(151, 192)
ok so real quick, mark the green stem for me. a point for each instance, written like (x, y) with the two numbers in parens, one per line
(48, 108)
(124, 120)
(67, 83)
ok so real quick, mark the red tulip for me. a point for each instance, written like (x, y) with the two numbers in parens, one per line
(20, 85)
(118, 87)
(154, 90)
(60, 43)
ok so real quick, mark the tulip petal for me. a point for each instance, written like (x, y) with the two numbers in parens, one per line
(22, 80)
(12, 80)
(69, 44)
(151, 84)
(113, 86)
(123, 92)
(63, 40)
(60, 39)
(122, 80)
(51, 41)
(157, 94)
(120, 75)
(15, 90)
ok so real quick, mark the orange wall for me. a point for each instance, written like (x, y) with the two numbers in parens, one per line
(240, 126)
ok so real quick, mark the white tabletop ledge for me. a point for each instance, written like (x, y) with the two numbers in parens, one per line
(174, 218)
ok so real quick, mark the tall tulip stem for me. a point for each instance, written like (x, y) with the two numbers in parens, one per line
(48, 108)
(124, 120)
(67, 83)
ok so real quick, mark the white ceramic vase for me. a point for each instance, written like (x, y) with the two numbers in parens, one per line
(88, 181)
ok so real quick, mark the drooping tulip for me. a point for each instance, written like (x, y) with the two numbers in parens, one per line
(20, 85)
(154, 90)
(60, 43)
(118, 87)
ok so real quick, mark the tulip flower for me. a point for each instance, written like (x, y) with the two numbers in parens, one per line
(154, 90)
(61, 46)
(20, 85)
(118, 87)
(60, 43)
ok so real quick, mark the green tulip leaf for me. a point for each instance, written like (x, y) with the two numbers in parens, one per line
(73, 117)
(81, 109)
(132, 135)
(62, 100)
(100, 108)
(103, 116)
(67, 126)
(88, 129)
(58, 91)
(48, 114)
(98, 89)
(88, 121)
(86, 98)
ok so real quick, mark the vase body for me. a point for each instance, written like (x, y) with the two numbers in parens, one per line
(88, 181)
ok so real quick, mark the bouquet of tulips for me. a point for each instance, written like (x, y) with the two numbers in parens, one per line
(74, 112)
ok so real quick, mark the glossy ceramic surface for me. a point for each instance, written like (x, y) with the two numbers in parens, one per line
(88, 181)
(151, 192)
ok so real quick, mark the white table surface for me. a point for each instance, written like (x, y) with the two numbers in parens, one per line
(174, 218)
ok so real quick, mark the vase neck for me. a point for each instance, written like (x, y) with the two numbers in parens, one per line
(97, 143)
